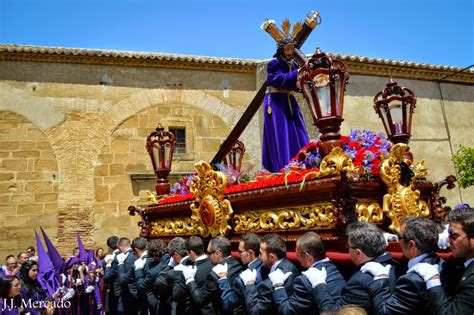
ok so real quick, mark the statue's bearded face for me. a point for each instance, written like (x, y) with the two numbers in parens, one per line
(288, 51)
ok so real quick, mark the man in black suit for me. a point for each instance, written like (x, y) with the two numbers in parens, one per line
(258, 296)
(461, 241)
(111, 280)
(311, 253)
(233, 295)
(125, 263)
(146, 270)
(196, 283)
(219, 252)
(365, 243)
(418, 239)
(226, 268)
(163, 284)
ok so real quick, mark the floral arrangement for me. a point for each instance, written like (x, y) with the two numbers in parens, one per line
(366, 149)
(182, 187)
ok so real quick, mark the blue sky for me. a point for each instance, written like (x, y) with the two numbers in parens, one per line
(429, 31)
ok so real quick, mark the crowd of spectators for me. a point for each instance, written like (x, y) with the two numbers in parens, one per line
(189, 276)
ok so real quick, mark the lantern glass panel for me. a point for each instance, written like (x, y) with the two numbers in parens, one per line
(383, 113)
(338, 83)
(324, 98)
(307, 90)
(321, 81)
(167, 148)
(397, 118)
(156, 155)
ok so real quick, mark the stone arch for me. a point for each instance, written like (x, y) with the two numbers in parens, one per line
(124, 153)
(144, 99)
(28, 183)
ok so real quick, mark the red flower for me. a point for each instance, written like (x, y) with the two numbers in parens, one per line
(301, 156)
(374, 149)
(354, 145)
(310, 147)
(345, 139)
(360, 155)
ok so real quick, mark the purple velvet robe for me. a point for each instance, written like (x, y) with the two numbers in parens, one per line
(36, 294)
(284, 131)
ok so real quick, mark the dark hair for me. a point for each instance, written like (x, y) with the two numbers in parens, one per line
(252, 241)
(312, 244)
(465, 217)
(157, 248)
(275, 245)
(177, 245)
(5, 286)
(9, 256)
(281, 46)
(112, 242)
(31, 248)
(29, 284)
(422, 231)
(366, 237)
(221, 244)
(139, 243)
(195, 244)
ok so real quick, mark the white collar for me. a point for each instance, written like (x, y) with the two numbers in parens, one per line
(416, 260)
(275, 265)
(468, 262)
(202, 257)
(319, 261)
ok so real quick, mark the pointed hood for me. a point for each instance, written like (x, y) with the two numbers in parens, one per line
(83, 256)
(58, 263)
(46, 275)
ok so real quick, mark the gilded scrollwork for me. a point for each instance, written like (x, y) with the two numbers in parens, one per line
(369, 211)
(336, 161)
(401, 200)
(178, 226)
(421, 172)
(210, 211)
(298, 218)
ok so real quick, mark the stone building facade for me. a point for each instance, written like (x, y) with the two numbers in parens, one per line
(73, 125)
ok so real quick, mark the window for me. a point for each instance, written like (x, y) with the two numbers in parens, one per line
(180, 134)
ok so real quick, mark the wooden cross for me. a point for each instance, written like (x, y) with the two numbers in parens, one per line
(312, 20)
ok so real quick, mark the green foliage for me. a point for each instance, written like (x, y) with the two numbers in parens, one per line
(464, 163)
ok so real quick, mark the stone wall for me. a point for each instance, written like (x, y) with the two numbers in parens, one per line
(96, 140)
(28, 183)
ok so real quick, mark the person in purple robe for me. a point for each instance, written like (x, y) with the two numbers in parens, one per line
(284, 130)
(31, 291)
(10, 299)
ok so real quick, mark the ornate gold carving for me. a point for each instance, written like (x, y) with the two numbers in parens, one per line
(170, 227)
(369, 211)
(210, 211)
(400, 201)
(421, 172)
(314, 216)
(336, 161)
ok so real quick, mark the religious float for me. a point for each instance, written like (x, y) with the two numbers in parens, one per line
(331, 182)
